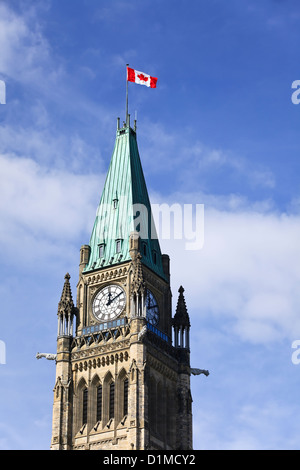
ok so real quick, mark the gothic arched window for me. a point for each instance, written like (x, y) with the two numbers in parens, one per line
(144, 249)
(125, 395)
(111, 400)
(99, 403)
(84, 405)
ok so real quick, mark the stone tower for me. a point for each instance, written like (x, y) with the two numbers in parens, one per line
(123, 361)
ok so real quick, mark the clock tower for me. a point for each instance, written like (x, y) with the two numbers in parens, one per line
(123, 360)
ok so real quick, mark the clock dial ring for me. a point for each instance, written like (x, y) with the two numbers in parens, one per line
(108, 303)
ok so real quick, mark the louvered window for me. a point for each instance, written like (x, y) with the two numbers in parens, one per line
(118, 246)
(101, 250)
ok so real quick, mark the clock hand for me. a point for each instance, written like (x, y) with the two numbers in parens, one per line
(112, 300)
(109, 299)
(116, 297)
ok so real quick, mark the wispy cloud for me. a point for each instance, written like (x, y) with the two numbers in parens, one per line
(254, 420)
(40, 208)
(246, 273)
(26, 54)
(195, 162)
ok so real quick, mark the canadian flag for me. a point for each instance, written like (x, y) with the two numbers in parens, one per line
(141, 78)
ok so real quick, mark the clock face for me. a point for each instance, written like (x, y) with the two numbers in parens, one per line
(151, 308)
(109, 303)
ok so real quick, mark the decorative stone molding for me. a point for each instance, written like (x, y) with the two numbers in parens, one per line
(107, 275)
(101, 361)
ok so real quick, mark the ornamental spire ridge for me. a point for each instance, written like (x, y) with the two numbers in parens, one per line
(66, 299)
(181, 317)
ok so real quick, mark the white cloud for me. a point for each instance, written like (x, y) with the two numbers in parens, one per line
(42, 210)
(24, 49)
(247, 273)
(167, 151)
(47, 146)
(260, 424)
(43, 76)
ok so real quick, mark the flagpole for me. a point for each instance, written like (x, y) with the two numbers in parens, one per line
(126, 96)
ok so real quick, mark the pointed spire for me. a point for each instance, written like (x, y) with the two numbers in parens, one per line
(66, 300)
(66, 310)
(124, 207)
(181, 317)
(138, 283)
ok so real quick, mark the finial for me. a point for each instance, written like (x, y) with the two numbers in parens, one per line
(126, 115)
(135, 120)
(181, 316)
(67, 276)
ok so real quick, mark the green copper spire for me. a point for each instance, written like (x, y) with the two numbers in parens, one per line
(124, 208)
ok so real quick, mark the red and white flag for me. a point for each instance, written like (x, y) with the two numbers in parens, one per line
(141, 78)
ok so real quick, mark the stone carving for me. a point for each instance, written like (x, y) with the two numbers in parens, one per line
(142, 333)
(200, 371)
(50, 357)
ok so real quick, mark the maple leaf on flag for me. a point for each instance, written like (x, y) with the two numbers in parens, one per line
(143, 77)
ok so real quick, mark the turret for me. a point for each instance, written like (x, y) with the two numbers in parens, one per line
(181, 323)
(66, 310)
(63, 398)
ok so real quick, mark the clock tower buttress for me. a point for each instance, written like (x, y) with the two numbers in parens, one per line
(121, 383)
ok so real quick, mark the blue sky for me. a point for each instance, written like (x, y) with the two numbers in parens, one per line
(220, 129)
